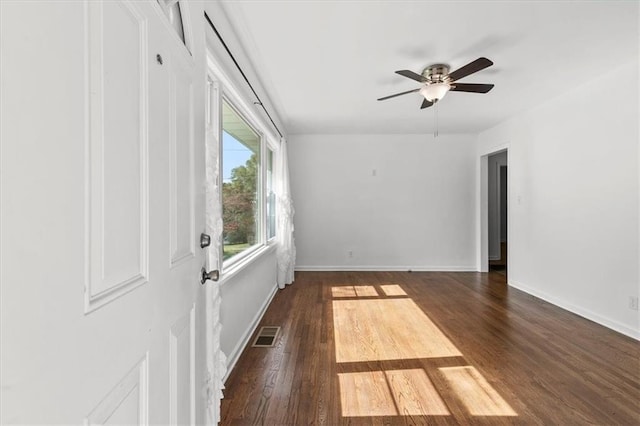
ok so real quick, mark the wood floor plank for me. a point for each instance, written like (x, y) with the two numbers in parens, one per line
(396, 348)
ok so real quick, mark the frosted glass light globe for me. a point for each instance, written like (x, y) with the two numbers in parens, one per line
(435, 92)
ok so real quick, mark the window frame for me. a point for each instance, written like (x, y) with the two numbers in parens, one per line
(225, 87)
(260, 186)
(185, 19)
(270, 239)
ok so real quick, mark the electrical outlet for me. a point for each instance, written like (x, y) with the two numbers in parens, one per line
(350, 254)
(633, 302)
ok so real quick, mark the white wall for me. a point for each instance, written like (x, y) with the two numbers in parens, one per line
(573, 170)
(416, 212)
(245, 297)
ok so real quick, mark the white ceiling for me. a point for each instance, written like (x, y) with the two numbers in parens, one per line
(324, 63)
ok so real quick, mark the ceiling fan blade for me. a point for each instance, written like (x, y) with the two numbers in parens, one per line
(412, 75)
(472, 88)
(398, 94)
(426, 104)
(470, 68)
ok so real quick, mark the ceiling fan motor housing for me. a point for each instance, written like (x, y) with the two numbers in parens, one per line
(436, 73)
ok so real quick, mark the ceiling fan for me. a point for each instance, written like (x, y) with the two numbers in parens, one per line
(437, 81)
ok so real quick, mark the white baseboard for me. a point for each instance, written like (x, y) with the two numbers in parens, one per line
(233, 357)
(345, 268)
(585, 313)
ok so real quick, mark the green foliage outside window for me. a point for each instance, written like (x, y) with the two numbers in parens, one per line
(240, 202)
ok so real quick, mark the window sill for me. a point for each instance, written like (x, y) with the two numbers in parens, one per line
(233, 270)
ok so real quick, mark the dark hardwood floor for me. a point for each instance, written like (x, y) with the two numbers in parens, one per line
(456, 348)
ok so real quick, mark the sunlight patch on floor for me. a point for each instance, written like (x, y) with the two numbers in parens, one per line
(386, 329)
(354, 291)
(475, 393)
(381, 329)
(365, 394)
(393, 290)
(389, 393)
(414, 393)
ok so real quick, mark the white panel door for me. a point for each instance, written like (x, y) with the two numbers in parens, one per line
(102, 208)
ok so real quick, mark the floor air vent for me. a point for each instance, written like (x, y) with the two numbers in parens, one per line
(266, 337)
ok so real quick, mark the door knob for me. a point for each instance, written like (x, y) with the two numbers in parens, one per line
(213, 275)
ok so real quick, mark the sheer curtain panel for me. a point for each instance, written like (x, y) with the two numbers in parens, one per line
(216, 359)
(286, 249)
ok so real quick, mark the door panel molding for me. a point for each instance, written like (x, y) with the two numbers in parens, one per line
(117, 193)
(127, 402)
(181, 196)
(182, 370)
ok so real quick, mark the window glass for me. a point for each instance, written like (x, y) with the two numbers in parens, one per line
(241, 194)
(271, 198)
(171, 8)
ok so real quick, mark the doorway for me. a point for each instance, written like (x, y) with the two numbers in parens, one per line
(497, 211)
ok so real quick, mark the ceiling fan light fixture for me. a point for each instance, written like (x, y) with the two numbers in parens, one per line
(435, 91)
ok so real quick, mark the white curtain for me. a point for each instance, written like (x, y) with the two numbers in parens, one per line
(286, 249)
(216, 359)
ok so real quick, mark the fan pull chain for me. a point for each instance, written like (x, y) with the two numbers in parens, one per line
(435, 120)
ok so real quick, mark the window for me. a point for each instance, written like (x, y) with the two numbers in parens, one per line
(271, 198)
(171, 9)
(242, 211)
